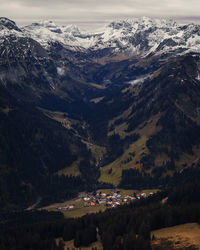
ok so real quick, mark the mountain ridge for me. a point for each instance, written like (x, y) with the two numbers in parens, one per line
(158, 35)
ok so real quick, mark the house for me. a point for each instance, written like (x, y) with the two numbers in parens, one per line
(86, 198)
(101, 202)
(66, 207)
(109, 197)
(109, 203)
(138, 196)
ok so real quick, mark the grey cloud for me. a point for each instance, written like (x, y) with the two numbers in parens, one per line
(96, 10)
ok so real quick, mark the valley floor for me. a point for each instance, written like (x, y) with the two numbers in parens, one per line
(88, 203)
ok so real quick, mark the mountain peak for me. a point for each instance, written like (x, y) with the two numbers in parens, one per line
(47, 26)
(72, 28)
(7, 23)
(45, 23)
(119, 24)
(150, 21)
(142, 21)
(146, 19)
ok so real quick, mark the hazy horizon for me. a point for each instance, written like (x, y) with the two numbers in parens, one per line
(92, 25)
(94, 14)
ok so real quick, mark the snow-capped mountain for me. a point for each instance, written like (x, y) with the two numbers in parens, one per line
(47, 32)
(7, 24)
(14, 43)
(23, 61)
(139, 36)
(133, 37)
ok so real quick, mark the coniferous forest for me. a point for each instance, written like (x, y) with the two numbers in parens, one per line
(126, 227)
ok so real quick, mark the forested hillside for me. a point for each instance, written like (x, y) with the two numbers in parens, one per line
(126, 227)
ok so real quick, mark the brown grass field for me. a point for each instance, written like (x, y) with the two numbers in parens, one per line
(182, 237)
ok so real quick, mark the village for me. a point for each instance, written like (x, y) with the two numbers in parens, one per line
(109, 199)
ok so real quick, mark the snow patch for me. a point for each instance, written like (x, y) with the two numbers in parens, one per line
(139, 80)
(198, 77)
(60, 71)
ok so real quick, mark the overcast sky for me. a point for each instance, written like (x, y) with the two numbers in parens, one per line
(97, 12)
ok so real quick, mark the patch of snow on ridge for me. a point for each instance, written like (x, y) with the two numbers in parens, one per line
(60, 71)
(139, 80)
(198, 77)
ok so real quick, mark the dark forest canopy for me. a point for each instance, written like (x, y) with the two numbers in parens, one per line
(126, 227)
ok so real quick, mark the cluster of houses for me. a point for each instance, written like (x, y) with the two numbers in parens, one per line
(111, 200)
(67, 207)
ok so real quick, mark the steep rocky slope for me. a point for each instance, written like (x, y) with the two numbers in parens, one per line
(165, 113)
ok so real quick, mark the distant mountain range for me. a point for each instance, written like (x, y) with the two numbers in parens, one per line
(115, 107)
(136, 37)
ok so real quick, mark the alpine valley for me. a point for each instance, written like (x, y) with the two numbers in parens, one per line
(79, 110)
(88, 121)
